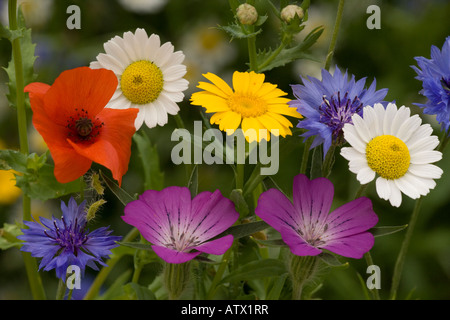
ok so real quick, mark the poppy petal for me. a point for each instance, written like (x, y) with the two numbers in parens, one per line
(112, 147)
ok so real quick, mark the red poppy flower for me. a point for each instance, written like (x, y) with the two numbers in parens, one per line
(78, 129)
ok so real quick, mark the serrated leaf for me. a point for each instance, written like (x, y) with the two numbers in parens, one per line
(154, 178)
(266, 61)
(23, 35)
(235, 31)
(42, 184)
(11, 159)
(256, 270)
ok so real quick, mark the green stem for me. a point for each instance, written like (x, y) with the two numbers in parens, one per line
(251, 42)
(404, 248)
(335, 34)
(369, 262)
(328, 161)
(180, 125)
(240, 171)
(34, 279)
(219, 274)
(103, 274)
(306, 150)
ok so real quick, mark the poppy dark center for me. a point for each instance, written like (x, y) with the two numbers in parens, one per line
(82, 127)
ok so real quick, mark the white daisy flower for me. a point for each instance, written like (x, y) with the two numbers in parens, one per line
(150, 76)
(395, 146)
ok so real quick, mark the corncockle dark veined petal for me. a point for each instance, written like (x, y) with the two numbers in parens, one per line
(180, 228)
(306, 225)
(66, 241)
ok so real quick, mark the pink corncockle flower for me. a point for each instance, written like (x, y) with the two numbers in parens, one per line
(306, 225)
(180, 228)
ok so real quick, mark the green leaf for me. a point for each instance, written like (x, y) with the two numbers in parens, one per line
(35, 177)
(154, 178)
(332, 260)
(271, 243)
(244, 230)
(278, 284)
(257, 270)
(136, 245)
(8, 236)
(386, 230)
(121, 194)
(236, 31)
(267, 62)
(136, 291)
(11, 159)
(28, 58)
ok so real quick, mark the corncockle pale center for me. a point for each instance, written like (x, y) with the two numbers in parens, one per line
(182, 243)
(142, 82)
(314, 235)
(388, 156)
(247, 105)
(336, 112)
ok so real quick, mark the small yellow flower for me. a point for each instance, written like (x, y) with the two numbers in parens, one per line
(8, 190)
(254, 104)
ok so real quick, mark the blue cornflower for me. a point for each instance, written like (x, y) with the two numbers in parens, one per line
(66, 241)
(435, 76)
(329, 104)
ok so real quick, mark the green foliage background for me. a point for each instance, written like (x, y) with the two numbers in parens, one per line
(408, 29)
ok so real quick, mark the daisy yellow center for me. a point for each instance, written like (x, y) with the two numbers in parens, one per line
(142, 82)
(248, 106)
(388, 156)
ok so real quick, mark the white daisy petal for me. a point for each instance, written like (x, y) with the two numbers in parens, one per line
(383, 188)
(389, 115)
(407, 186)
(426, 143)
(402, 114)
(151, 47)
(140, 118)
(163, 54)
(425, 170)
(151, 116)
(352, 137)
(109, 62)
(408, 127)
(113, 49)
(396, 195)
(365, 175)
(424, 157)
(174, 72)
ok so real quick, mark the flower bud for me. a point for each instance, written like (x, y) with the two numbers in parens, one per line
(288, 13)
(247, 14)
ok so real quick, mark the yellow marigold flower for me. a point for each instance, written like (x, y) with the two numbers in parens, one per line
(254, 104)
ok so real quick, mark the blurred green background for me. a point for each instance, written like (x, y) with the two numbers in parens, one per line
(408, 29)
